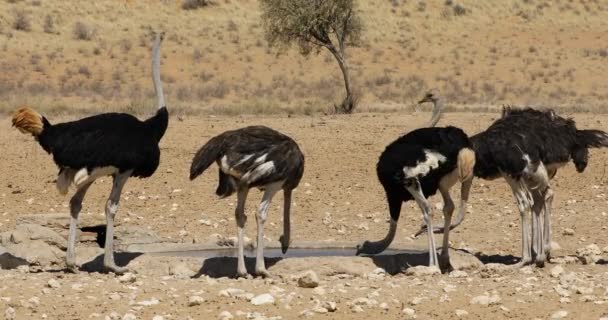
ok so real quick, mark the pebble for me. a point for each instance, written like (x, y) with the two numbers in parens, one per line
(195, 301)
(421, 271)
(461, 313)
(330, 306)
(589, 254)
(225, 315)
(158, 318)
(458, 274)
(486, 300)
(129, 316)
(113, 316)
(568, 232)
(127, 278)
(409, 313)
(308, 279)
(236, 293)
(54, 284)
(557, 271)
(559, 314)
(181, 271)
(262, 299)
(9, 314)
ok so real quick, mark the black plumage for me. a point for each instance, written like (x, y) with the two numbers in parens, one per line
(110, 144)
(253, 157)
(415, 167)
(527, 146)
(112, 139)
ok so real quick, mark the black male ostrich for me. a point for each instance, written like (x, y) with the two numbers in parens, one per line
(250, 157)
(110, 144)
(526, 147)
(414, 167)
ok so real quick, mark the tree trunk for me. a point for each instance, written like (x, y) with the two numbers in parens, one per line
(349, 103)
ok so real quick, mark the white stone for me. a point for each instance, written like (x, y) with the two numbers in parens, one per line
(559, 314)
(409, 313)
(486, 300)
(147, 303)
(129, 316)
(557, 271)
(330, 306)
(461, 313)
(195, 301)
(421, 271)
(158, 318)
(127, 278)
(53, 284)
(236, 293)
(262, 299)
(225, 315)
(10, 314)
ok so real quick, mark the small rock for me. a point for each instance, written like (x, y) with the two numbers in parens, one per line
(262, 299)
(557, 271)
(236, 293)
(409, 313)
(54, 284)
(330, 306)
(158, 318)
(181, 271)
(486, 300)
(421, 271)
(308, 279)
(461, 313)
(127, 278)
(356, 309)
(113, 316)
(568, 232)
(129, 316)
(559, 314)
(458, 274)
(589, 254)
(225, 315)
(10, 314)
(195, 301)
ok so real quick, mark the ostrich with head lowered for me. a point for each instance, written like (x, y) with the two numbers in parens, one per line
(415, 167)
(253, 157)
(526, 147)
(109, 144)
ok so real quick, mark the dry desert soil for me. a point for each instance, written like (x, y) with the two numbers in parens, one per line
(339, 201)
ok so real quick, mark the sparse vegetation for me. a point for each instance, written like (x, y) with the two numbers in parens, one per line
(21, 21)
(83, 31)
(194, 4)
(49, 24)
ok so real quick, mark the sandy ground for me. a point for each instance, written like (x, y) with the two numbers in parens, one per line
(339, 185)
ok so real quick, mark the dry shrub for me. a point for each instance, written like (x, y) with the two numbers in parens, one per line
(83, 31)
(21, 21)
(194, 4)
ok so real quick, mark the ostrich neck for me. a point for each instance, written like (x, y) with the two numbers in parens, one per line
(437, 107)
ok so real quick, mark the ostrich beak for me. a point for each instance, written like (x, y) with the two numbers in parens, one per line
(425, 99)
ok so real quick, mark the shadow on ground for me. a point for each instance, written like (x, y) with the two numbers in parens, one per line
(122, 259)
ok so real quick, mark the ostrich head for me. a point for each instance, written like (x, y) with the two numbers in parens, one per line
(430, 96)
(433, 96)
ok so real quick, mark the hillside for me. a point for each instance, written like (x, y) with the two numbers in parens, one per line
(69, 56)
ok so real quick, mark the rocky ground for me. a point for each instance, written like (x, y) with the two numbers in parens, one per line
(339, 201)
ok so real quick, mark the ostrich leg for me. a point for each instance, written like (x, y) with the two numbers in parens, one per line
(241, 218)
(75, 207)
(285, 238)
(415, 189)
(524, 200)
(538, 237)
(547, 223)
(448, 210)
(111, 209)
(262, 214)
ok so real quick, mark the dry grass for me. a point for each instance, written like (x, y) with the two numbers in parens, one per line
(78, 56)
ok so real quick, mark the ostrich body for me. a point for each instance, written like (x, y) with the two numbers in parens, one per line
(110, 144)
(415, 167)
(253, 157)
(526, 147)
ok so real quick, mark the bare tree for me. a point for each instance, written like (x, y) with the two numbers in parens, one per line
(313, 25)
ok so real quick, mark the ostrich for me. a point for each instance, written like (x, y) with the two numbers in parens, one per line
(414, 167)
(526, 147)
(249, 157)
(109, 144)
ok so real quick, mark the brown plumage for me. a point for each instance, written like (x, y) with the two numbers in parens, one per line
(28, 121)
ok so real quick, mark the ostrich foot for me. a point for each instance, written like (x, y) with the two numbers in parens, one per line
(522, 263)
(115, 269)
(263, 273)
(72, 268)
